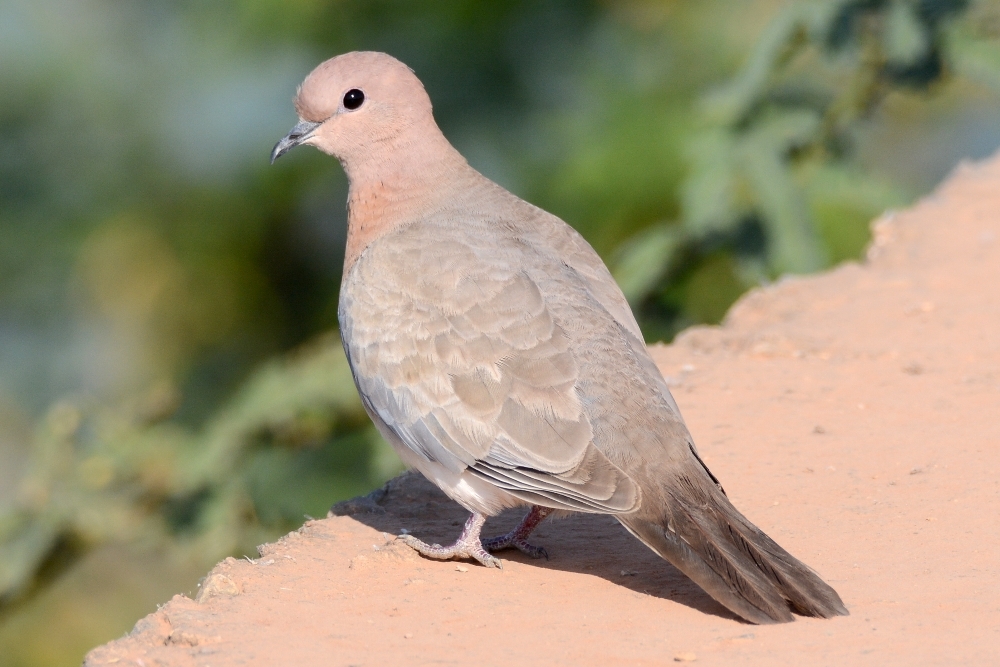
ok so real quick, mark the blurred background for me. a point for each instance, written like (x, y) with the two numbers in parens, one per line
(172, 389)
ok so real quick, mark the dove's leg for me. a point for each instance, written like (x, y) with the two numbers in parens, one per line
(467, 545)
(518, 538)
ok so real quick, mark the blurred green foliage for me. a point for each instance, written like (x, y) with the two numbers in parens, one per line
(170, 391)
(772, 171)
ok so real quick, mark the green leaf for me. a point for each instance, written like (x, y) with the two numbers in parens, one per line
(644, 259)
(794, 246)
(906, 39)
(708, 196)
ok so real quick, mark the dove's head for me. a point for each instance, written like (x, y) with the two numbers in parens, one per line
(361, 107)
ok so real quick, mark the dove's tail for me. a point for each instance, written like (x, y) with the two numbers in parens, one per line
(706, 538)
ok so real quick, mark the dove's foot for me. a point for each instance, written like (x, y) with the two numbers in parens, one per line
(467, 545)
(518, 538)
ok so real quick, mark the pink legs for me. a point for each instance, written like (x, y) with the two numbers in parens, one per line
(518, 538)
(470, 545)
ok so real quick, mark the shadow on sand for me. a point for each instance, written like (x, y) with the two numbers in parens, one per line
(589, 544)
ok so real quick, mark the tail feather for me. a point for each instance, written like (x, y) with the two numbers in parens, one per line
(724, 587)
(707, 539)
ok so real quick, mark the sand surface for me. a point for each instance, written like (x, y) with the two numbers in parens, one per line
(854, 416)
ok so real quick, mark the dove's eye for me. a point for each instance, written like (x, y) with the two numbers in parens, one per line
(353, 98)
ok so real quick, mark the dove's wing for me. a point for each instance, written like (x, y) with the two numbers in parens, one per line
(568, 244)
(466, 365)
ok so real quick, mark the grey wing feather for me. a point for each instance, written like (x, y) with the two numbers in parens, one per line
(468, 368)
(581, 258)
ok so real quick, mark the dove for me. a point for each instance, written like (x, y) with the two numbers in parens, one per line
(492, 348)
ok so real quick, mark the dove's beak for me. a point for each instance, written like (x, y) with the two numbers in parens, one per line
(299, 134)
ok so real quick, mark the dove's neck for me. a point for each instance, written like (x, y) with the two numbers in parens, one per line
(400, 186)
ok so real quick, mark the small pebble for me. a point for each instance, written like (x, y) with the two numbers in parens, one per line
(461, 568)
(685, 657)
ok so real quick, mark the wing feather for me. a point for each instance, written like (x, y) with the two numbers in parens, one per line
(469, 368)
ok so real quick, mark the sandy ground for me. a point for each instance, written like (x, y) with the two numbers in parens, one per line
(854, 416)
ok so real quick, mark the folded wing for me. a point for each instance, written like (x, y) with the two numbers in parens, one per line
(469, 369)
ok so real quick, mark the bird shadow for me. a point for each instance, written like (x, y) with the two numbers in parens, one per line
(589, 544)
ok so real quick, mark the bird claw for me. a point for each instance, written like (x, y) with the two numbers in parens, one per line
(467, 546)
(518, 538)
(489, 560)
(509, 542)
